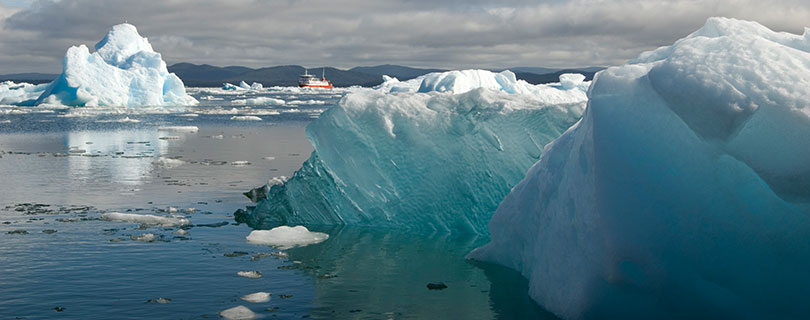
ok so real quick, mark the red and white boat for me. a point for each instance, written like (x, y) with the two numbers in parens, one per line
(309, 81)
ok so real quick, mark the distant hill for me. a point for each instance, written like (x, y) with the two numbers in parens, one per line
(204, 75)
(33, 77)
(399, 72)
(212, 76)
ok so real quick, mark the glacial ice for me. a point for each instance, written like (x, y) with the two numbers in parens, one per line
(24, 94)
(430, 161)
(285, 237)
(123, 71)
(684, 191)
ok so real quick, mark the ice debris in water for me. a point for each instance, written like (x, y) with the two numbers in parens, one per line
(257, 297)
(124, 71)
(168, 162)
(246, 118)
(286, 237)
(146, 237)
(259, 101)
(188, 129)
(145, 219)
(417, 160)
(238, 313)
(682, 193)
(250, 274)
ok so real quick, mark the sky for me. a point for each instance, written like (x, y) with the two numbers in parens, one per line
(450, 34)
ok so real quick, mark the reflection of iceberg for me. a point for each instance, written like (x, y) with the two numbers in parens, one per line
(127, 155)
(683, 192)
(124, 71)
(431, 161)
(405, 263)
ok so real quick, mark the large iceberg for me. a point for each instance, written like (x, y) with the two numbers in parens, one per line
(124, 71)
(423, 161)
(682, 193)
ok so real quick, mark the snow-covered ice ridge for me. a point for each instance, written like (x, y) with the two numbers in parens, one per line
(423, 161)
(124, 71)
(682, 193)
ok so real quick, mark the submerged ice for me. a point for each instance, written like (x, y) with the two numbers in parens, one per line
(429, 161)
(683, 192)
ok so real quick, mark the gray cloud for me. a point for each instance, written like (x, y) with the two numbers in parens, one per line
(449, 34)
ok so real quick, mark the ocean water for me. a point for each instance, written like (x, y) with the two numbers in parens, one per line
(62, 168)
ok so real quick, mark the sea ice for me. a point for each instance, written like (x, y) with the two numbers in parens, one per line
(238, 313)
(250, 274)
(246, 118)
(145, 219)
(146, 237)
(259, 101)
(257, 297)
(188, 129)
(124, 71)
(286, 237)
(682, 193)
(20, 93)
(168, 162)
(431, 161)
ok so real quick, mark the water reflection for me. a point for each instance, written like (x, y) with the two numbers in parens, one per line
(122, 156)
(364, 273)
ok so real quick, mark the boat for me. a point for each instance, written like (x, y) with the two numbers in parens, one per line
(310, 81)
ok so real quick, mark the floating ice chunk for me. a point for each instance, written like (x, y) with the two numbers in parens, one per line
(168, 162)
(240, 163)
(257, 297)
(189, 115)
(145, 219)
(124, 71)
(250, 274)
(124, 120)
(230, 86)
(146, 237)
(682, 193)
(238, 313)
(266, 101)
(269, 158)
(570, 81)
(286, 237)
(246, 118)
(244, 85)
(181, 232)
(188, 129)
(256, 86)
(306, 102)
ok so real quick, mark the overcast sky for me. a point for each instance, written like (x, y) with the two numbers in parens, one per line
(34, 35)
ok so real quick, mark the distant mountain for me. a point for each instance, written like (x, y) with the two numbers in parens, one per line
(399, 72)
(212, 76)
(33, 77)
(535, 70)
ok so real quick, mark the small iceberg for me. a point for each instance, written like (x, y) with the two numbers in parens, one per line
(238, 313)
(250, 274)
(246, 118)
(257, 297)
(285, 237)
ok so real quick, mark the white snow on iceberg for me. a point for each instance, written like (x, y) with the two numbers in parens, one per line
(429, 161)
(682, 193)
(124, 71)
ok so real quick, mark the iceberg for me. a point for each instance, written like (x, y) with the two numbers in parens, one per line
(21, 94)
(419, 161)
(684, 191)
(124, 71)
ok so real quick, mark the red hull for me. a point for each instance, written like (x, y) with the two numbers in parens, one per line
(314, 86)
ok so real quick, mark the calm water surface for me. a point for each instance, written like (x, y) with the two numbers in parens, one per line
(60, 169)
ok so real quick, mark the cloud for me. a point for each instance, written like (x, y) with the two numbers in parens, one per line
(448, 34)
